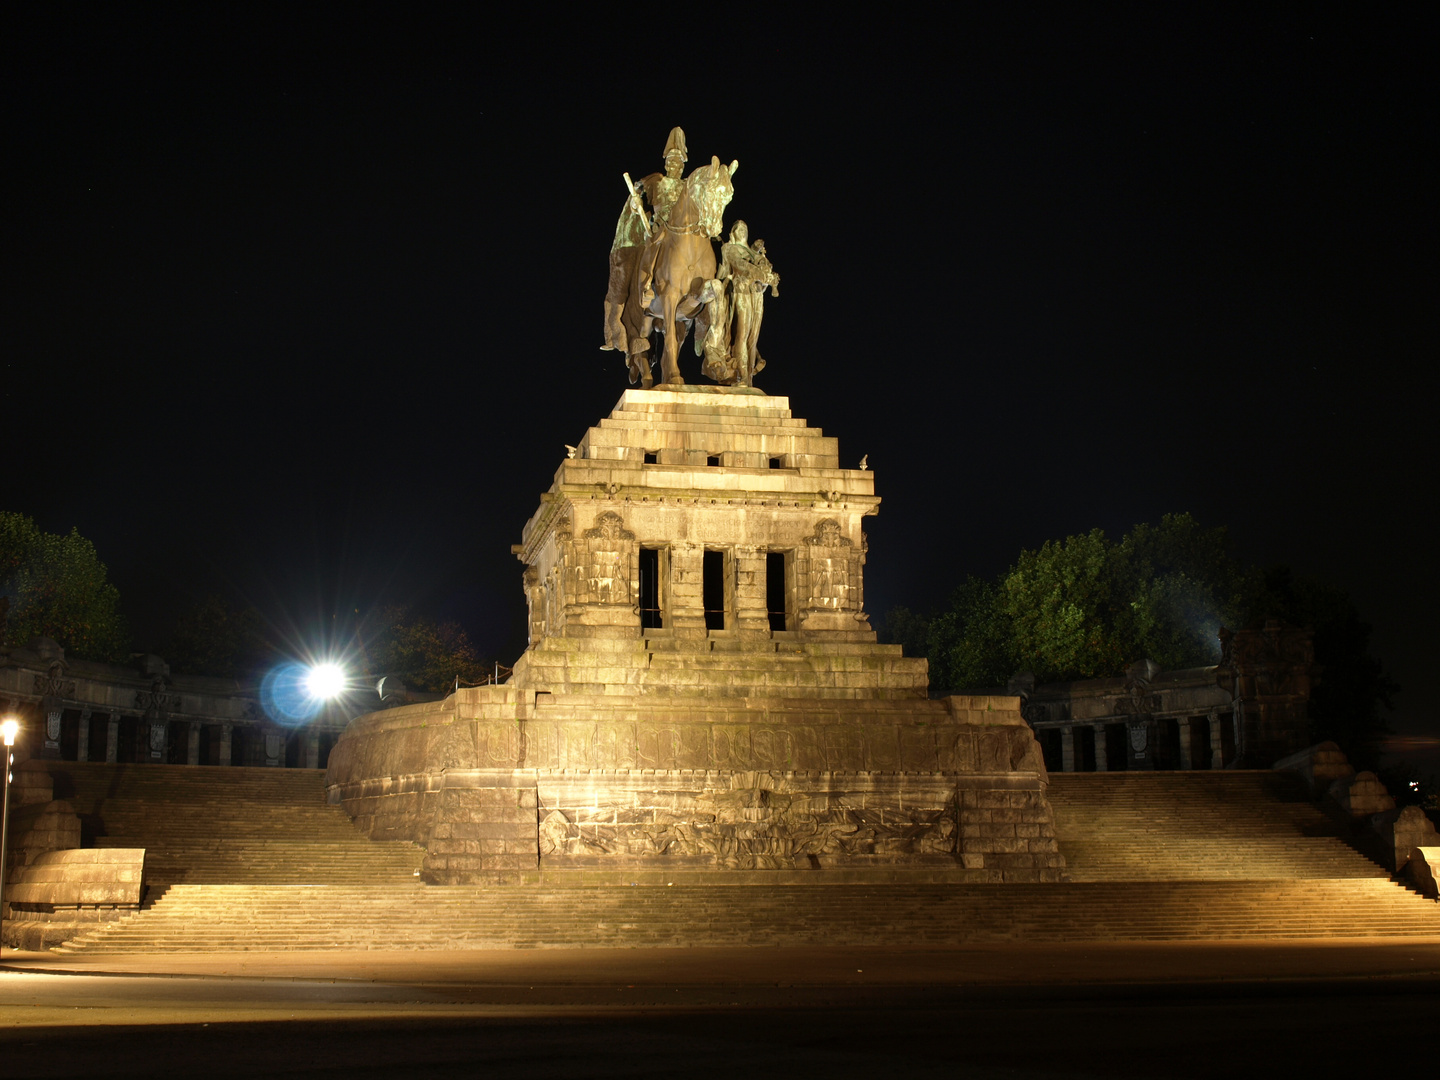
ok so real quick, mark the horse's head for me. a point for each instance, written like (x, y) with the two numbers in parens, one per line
(711, 189)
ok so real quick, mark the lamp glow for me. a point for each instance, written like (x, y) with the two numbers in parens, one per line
(9, 728)
(325, 681)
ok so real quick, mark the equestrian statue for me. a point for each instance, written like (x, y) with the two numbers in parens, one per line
(665, 277)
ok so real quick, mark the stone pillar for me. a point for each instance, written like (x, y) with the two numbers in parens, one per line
(1217, 744)
(112, 738)
(82, 745)
(1067, 748)
(192, 748)
(752, 617)
(1186, 760)
(226, 747)
(1269, 670)
(1102, 763)
(312, 750)
(687, 596)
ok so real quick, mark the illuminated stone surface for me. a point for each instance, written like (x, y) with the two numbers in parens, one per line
(708, 716)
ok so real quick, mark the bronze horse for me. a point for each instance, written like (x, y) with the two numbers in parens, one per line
(676, 278)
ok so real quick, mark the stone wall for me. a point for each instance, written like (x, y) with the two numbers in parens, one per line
(60, 893)
(775, 785)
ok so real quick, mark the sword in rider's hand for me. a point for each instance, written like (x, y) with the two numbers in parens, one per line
(639, 206)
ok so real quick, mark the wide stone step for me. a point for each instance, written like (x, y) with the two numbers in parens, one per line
(191, 918)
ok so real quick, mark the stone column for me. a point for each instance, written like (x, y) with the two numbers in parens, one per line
(752, 618)
(687, 596)
(312, 750)
(1102, 763)
(82, 745)
(1186, 760)
(1067, 748)
(192, 747)
(226, 747)
(112, 738)
(1217, 743)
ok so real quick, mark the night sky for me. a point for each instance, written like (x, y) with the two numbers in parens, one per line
(303, 308)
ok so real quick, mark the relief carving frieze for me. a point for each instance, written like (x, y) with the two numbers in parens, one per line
(832, 566)
(156, 701)
(54, 684)
(758, 822)
(601, 560)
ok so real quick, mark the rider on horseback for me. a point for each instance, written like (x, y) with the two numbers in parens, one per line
(661, 191)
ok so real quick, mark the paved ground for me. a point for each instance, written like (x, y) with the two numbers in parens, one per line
(1158, 1010)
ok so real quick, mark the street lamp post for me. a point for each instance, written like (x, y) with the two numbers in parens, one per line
(9, 727)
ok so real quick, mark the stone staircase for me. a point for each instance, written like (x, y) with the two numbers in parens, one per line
(254, 860)
(199, 918)
(232, 826)
(1197, 826)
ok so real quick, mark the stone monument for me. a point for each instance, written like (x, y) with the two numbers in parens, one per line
(702, 690)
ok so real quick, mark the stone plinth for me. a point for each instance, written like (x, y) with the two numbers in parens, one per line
(702, 690)
(1360, 796)
(500, 779)
(61, 893)
(1320, 766)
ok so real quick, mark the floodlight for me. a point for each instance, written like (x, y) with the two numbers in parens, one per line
(325, 681)
(9, 728)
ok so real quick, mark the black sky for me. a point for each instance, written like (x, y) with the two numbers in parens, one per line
(305, 306)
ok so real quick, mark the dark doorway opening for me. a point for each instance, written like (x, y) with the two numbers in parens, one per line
(177, 742)
(327, 740)
(775, 591)
(1200, 749)
(712, 589)
(1167, 736)
(239, 741)
(127, 744)
(70, 734)
(99, 736)
(210, 744)
(1051, 750)
(1117, 747)
(1084, 749)
(651, 617)
(293, 750)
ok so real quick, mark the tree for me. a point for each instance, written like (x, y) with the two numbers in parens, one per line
(1354, 685)
(57, 587)
(217, 638)
(1085, 607)
(428, 655)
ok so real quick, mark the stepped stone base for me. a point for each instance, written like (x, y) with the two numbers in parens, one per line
(199, 918)
(767, 784)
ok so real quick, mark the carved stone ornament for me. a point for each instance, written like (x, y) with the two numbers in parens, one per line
(157, 737)
(831, 573)
(1139, 737)
(52, 725)
(828, 534)
(609, 526)
(156, 700)
(54, 683)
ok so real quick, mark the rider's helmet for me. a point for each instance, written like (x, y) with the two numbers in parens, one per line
(677, 142)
